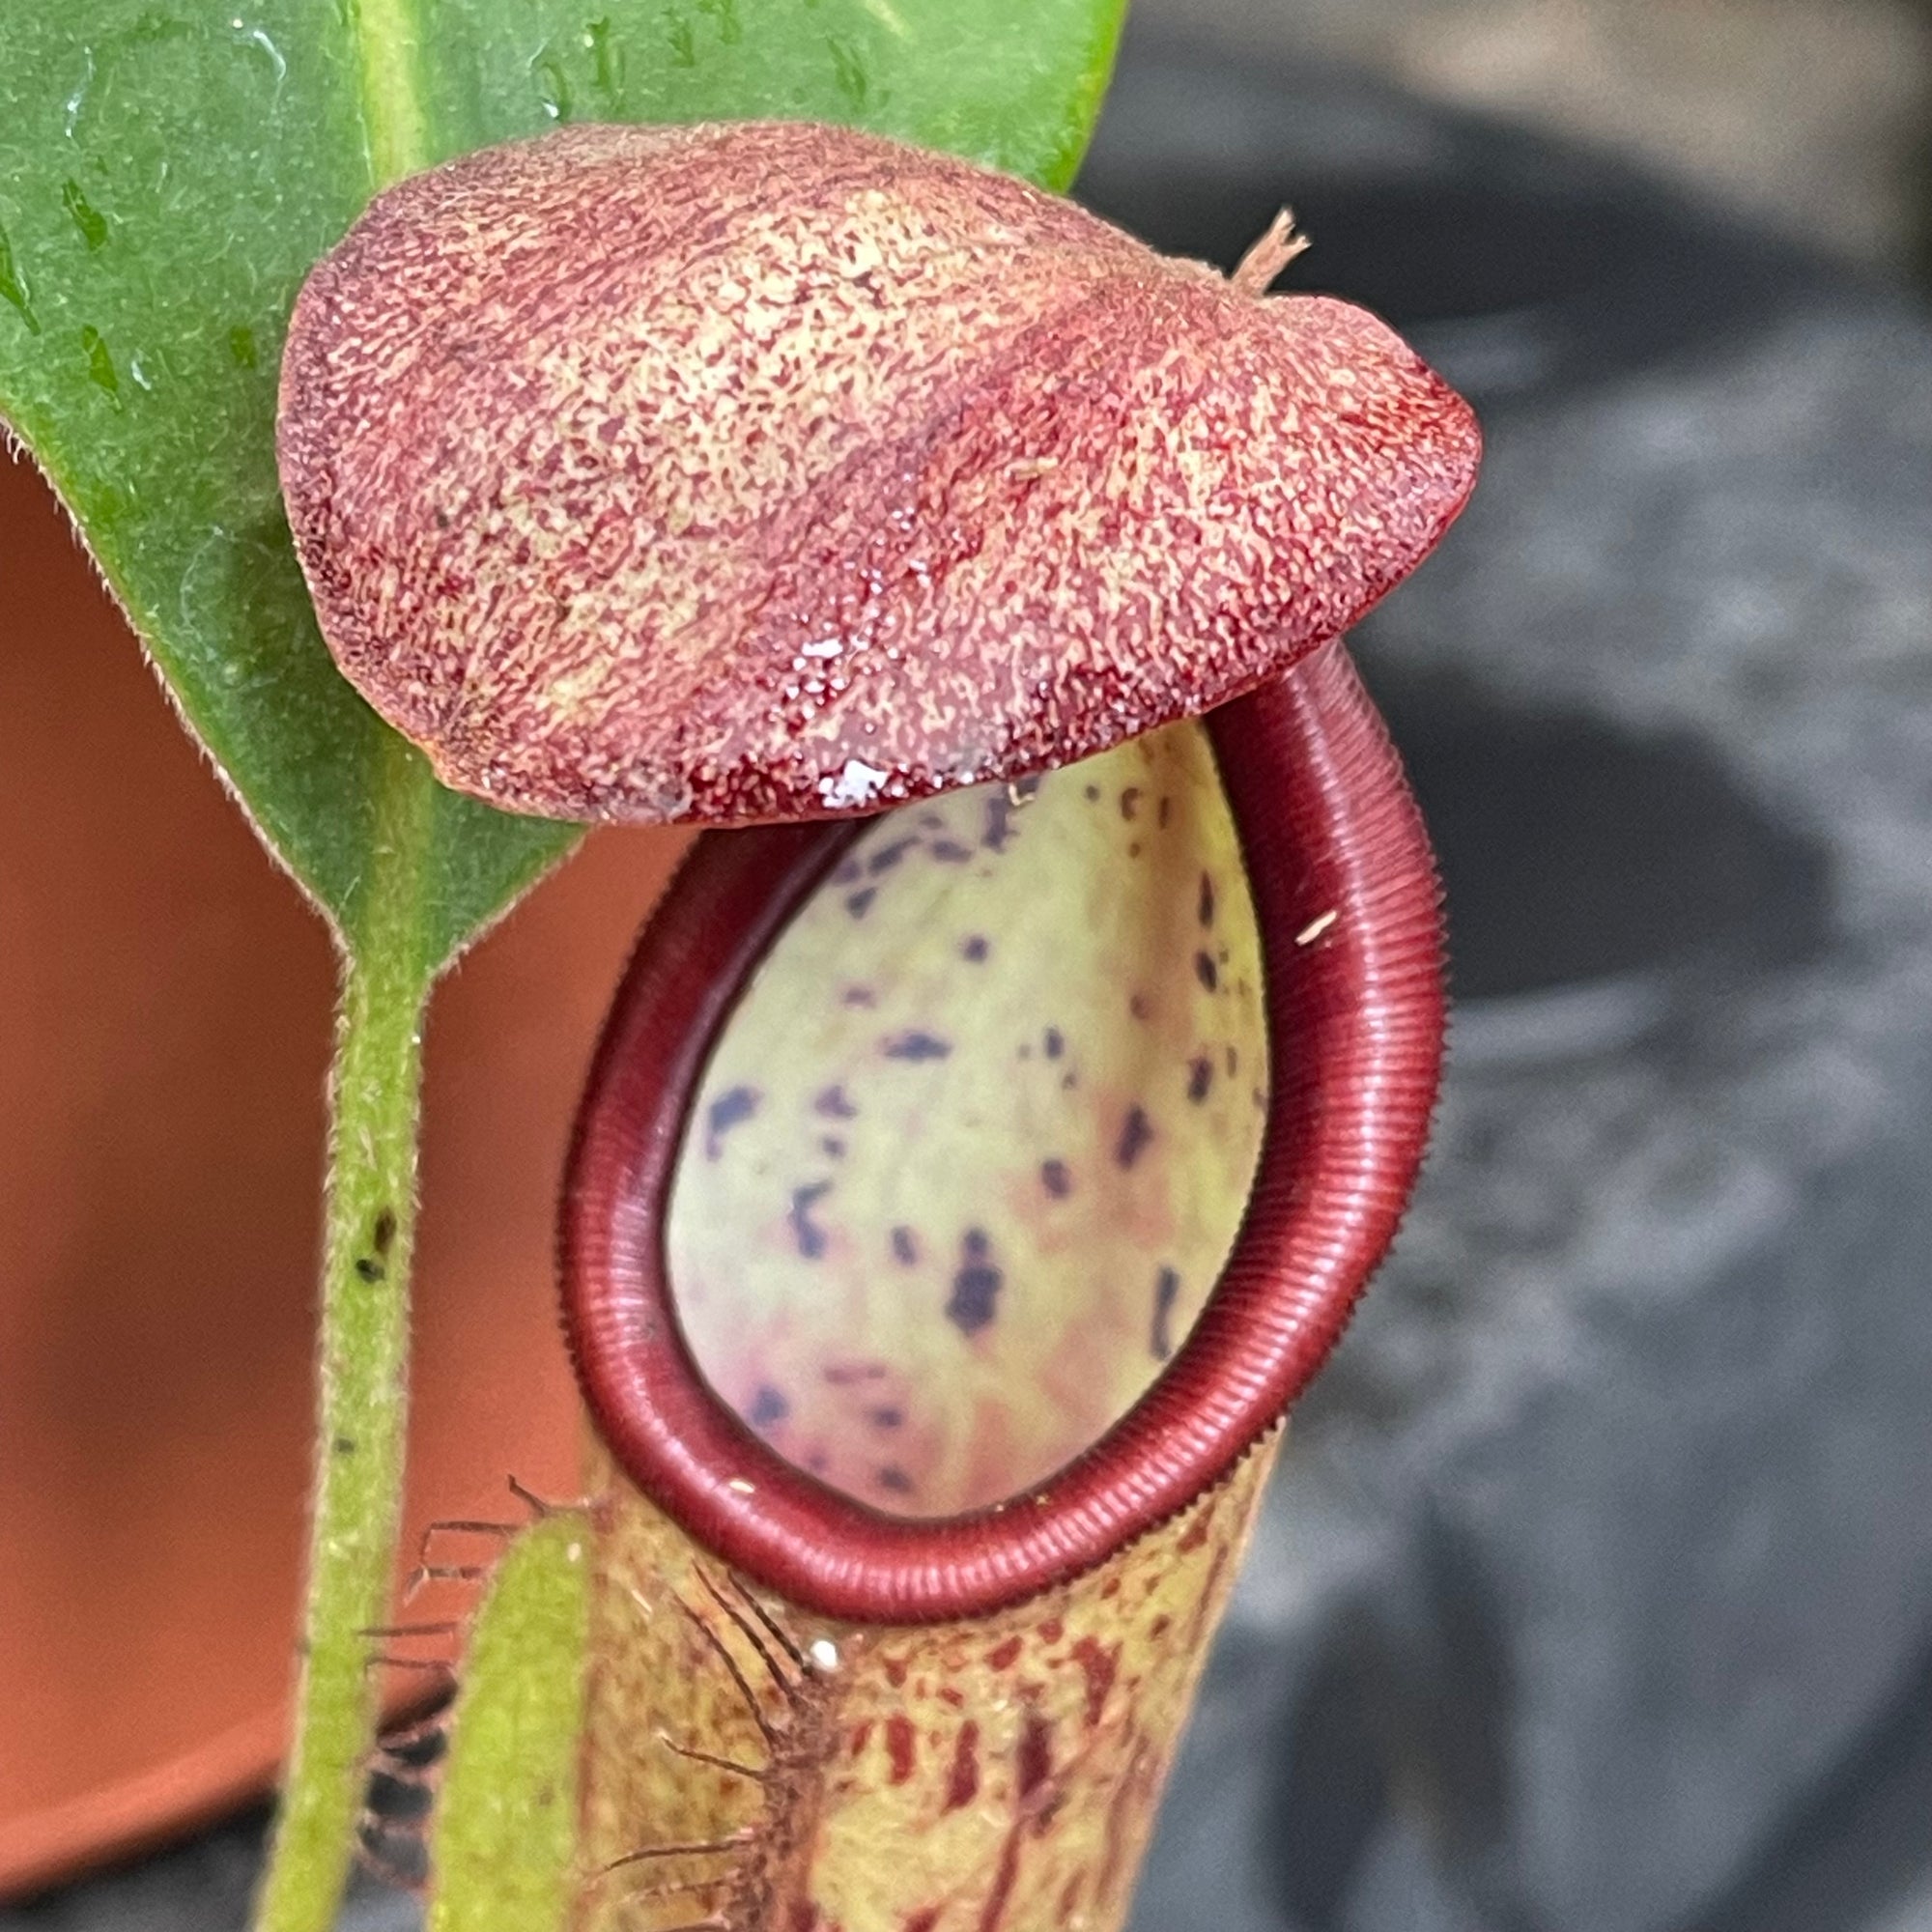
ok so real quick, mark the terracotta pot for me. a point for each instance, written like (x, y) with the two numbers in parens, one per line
(164, 1032)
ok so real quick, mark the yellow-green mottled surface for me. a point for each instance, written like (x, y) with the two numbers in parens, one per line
(972, 1150)
(999, 1775)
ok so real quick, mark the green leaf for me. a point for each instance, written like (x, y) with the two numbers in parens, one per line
(168, 174)
(506, 1820)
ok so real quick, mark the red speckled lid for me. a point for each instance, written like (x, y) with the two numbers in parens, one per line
(748, 472)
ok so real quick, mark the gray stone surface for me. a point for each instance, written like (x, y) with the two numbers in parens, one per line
(1598, 1591)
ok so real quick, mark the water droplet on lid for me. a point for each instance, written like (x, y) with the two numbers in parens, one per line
(607, 61)
(78, 100)
(848, 70)
(258, 37)
(86, 217)
(552, 86)
(100, 371)
(14, 286)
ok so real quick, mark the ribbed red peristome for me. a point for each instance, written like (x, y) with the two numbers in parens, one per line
(1348, 904)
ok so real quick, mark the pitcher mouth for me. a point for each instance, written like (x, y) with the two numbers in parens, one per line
(1346, 908)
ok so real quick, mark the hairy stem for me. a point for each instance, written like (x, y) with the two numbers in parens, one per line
(369, 1232)
(363, 1397)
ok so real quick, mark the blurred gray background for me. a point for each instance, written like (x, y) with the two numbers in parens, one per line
(1597, 1592)
(1812, 116)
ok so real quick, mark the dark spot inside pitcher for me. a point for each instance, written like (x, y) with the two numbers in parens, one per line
(976, 1286)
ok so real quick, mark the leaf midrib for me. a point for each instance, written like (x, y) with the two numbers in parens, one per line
(389, 912)
(389, 54)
